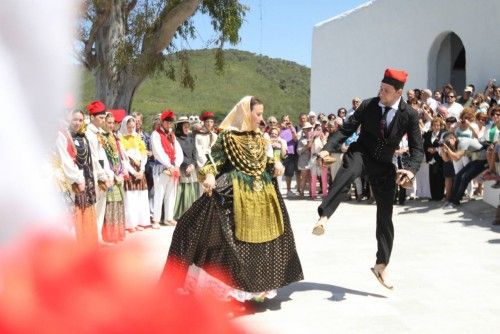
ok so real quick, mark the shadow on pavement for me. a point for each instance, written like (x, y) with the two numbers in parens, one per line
(472, 213)
(338, 294)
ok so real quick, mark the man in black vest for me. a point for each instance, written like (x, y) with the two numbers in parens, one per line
(383, 120)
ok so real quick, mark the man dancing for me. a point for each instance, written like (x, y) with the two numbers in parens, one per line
(383, 121)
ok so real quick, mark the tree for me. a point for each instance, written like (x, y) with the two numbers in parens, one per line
(125, 41)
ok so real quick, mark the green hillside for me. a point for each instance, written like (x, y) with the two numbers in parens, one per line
(281, 84)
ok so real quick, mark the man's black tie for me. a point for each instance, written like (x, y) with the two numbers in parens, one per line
(383, 123)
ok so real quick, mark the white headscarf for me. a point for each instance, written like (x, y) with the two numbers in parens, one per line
(239, 118)
(123, 126)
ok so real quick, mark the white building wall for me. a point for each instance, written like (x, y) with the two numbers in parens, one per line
(351, 51)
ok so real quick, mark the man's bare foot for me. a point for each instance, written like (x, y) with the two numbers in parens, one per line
(319, 228)
(380, 272)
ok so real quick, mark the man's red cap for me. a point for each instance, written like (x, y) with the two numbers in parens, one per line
(167, 115)
(118, 114)
(207, 115)
(96, 107)
(395, 78)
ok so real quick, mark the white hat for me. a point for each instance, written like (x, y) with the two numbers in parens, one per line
(468, 89)
(182, 119)
(307, 125)
(312, 113)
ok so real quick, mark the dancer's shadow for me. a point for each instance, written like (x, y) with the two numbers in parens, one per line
(338, 294)
(494, 241)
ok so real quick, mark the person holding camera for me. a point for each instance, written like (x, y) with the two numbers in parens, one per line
(432, 140)
(289, 134)
(318, 169)
(304, 157)
(478, 150)
(383, 121)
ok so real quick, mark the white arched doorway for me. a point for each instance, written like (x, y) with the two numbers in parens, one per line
(447, 62)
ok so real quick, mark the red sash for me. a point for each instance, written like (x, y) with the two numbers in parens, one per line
(167, 141)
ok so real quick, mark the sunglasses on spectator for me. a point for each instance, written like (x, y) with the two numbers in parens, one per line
(449, 96)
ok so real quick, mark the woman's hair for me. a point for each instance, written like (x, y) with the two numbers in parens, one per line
(414, 101)
(341, 109)
(467, 113)
(438, 120)
(482, 116)
(108, 115)
(479, 98)
(77, 111)
(273, 128)
(493, 110)
(255, 101)
(446, 140)
(178, 129)
(451, 119)
(271, 119)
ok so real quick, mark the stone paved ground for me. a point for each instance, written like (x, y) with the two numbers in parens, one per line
(445, 267)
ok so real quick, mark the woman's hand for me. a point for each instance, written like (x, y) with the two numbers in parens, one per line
(109, 183)
(81, 187)
(209, 183)
(189, 169)
(279, 169)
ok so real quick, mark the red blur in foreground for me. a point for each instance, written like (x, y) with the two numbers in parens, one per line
(52, 286)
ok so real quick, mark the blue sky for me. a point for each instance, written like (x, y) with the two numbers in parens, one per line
(277, 28)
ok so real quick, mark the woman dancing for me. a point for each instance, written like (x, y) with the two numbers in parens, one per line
(236, 240)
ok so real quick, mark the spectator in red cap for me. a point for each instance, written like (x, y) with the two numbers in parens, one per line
(205, 138)
(383, 121)
(168, 158)
(102, 173)
(118, 115)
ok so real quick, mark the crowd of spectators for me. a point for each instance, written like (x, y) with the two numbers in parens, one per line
(123, 178)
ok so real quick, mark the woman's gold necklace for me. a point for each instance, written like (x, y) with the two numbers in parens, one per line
(246, 151)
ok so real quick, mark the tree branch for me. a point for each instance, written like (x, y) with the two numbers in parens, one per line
(170, 20)
(130, 7)
(102, 12)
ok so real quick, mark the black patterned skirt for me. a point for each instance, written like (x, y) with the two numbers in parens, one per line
(204, 237)
(132, 183)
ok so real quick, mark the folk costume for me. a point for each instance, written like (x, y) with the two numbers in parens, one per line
(136, 189)
(204, 140)
(73, 151)
(114, 220)
(188, 189)
(102, 172)
(236, 242)
(168, 154)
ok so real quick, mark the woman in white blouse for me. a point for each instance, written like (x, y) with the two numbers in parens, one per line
(136, 188)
